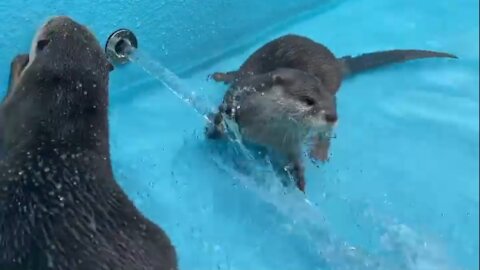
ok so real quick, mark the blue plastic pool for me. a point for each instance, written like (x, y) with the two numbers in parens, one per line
(401, 189)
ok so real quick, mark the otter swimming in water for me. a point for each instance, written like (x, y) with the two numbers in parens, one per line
(304, 62)
(278, 110)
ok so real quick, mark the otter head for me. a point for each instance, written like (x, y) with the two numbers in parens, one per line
(303, 99)
(62, 93)
(281, 107)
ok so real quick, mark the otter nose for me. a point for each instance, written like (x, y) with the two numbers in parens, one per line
(331, 117)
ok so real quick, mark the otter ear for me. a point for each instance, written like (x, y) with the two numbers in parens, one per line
(278, 79)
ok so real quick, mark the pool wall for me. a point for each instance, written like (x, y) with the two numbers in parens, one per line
(190, 31)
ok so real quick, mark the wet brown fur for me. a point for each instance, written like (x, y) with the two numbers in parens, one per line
(60, 206)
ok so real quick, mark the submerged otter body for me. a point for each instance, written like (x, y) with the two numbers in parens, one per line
(308, 58)
(60, 206)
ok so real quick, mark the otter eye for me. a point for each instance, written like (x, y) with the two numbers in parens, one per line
(308, 100)
(41, 44)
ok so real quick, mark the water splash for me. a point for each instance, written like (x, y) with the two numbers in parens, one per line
(200, 103)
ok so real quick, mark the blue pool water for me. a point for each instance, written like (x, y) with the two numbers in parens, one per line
(401, 189)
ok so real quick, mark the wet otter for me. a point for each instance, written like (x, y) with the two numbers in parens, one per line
(278, 110)
(60, 206)
(304, 54)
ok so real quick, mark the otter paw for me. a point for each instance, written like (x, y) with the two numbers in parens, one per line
(219, 76)
(319, 154)
(298, 175)
(213, 132)
(320, 150)
(301, 185)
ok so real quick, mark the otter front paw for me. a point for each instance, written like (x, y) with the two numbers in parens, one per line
(297, 172)
(299, 176)
(301, 184)
(17, 65)
(225, 77)
(320, 149)
(213, 132)
(218, 76)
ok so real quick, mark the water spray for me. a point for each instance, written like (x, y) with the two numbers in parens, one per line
(121, 48)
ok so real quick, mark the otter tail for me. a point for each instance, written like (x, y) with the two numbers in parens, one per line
(352, 65)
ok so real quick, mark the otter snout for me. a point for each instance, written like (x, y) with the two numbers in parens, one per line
(331, 118)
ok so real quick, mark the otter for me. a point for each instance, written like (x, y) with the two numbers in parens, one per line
(278, 110)
(60, 206)
(314, 59)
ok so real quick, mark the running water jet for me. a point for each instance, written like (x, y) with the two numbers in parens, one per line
(122, 48)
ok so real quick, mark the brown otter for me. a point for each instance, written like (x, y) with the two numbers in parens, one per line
(278, 110)
(304, 54)
(60, 206)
